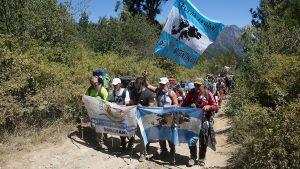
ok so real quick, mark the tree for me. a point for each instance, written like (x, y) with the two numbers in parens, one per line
(131, 35)
(43, 21)
(83, 21)
(150, 8)
(287, 11)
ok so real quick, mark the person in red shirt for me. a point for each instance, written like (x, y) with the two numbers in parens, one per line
(200, 97)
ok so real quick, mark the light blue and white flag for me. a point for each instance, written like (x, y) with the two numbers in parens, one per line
(178, 125)
(111, 118)
(186, 34)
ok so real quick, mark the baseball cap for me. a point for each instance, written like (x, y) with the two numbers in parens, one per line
(116, 81)
(163, 80)
(199, 81)
(191, 86)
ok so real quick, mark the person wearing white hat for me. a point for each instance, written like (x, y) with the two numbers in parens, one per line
(165, 97)
(120, 94)
(121, 97)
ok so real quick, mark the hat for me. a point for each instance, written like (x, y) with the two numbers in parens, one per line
(191, 86)
(185, 81)
(116, 81)
(199, 81)
(163, 80)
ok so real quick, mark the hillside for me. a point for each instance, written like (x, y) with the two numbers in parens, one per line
(227, 39)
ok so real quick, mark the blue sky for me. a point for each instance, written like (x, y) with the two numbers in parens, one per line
(227, 11)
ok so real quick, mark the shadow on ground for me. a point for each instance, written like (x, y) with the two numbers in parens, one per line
(86, 136)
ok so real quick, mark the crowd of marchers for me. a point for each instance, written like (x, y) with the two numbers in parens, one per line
(206, 93)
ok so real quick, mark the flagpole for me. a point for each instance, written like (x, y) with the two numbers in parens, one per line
(148, 63)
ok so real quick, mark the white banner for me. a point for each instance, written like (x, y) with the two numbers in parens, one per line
(111, 118)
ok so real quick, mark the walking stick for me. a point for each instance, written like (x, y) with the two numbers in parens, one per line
(81, 123)
(112, 141)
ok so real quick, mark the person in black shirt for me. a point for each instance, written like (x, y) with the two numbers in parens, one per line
(141, 95)
(144, 97)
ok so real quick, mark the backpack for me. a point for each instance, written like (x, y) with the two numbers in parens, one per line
(193, 91)
(168, 94)
(101, 72)
(126, 80)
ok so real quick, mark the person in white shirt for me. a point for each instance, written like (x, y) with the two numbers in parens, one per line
(120, 94)
(121, 97)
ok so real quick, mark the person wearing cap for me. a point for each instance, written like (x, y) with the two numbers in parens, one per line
(165, 97)
(201, 98)
(120, 94)
(190, 86)
(97, 90)
(121, 97)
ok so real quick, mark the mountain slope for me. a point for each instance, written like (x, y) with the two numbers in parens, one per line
(226, 40)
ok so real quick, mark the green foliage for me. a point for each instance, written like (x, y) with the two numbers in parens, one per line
(217, 63)
(127, 36)
(83, 21)
(272, 10)
(36, 92)
(265, 104)
(266, 116)
(44, 21)
(149, 8)
(44, 84)
(269, 138)
(264, 107)
(44, 70)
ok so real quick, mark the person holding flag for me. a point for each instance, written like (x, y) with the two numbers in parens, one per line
(97, 90)
(141, 96)
(165, 97)
(200, 97)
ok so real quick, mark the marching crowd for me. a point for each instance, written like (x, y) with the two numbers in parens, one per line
(204, 93)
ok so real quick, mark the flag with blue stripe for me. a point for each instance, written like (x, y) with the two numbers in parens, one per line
(186, 34)
(178, 125)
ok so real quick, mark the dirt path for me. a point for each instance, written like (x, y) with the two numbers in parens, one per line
(75, 153)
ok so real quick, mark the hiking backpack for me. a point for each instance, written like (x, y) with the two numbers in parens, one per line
(101, 72)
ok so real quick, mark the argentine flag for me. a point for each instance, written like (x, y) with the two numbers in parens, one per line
(186, 34)
(176, 124)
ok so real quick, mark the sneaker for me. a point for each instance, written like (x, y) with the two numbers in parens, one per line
(142, 157)
(130, 146)
(123, 149)
(172, 161)
(201, 162)
(191, 162)
(164, 154)
(103, 146)
(172, 158)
